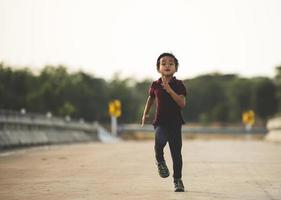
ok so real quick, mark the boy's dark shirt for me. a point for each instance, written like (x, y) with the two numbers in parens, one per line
(168, 112)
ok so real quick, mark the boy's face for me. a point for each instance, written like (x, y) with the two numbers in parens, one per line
(167, 66)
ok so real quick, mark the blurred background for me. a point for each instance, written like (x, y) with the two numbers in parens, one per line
(70, 58)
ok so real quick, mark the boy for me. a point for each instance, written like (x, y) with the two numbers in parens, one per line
(170, 97)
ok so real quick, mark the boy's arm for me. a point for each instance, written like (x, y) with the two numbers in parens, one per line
(179, 99)
(149, 102)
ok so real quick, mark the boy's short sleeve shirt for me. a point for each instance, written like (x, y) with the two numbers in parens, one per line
(168, 113)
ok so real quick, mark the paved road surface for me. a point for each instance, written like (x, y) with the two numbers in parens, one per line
(212, 170)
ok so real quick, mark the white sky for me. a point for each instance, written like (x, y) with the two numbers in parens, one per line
(126, 36)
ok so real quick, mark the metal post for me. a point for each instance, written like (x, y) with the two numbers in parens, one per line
(114, 126)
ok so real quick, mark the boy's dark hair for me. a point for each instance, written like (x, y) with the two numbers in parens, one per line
(170, 55)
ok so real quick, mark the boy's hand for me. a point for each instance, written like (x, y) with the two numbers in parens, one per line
(144, 119)
(166, 85)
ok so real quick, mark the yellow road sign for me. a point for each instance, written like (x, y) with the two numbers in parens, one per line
(114, 108)
(248, 117)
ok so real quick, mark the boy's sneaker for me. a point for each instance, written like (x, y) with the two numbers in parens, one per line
(163, 169)
(179, 187)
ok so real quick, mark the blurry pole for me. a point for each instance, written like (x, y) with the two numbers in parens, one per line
(49, 115)
(248, 118)
(23, 111)
(114, 125)
(114, 109)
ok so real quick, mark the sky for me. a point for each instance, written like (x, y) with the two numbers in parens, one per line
(125, 37)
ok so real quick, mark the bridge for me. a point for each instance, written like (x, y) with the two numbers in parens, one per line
(125, 170)
(245, 168)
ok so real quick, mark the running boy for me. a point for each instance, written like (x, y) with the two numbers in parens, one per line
(169, 93)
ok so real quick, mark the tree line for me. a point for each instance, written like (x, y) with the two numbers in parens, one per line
(210, 97)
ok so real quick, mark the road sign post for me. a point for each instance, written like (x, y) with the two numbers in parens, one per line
(248, 118)
(114, 109)
(114, 125)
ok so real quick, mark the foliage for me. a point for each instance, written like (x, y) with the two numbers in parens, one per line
(278, 84)
(210, 98)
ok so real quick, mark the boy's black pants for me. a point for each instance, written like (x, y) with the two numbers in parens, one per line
(172, 135)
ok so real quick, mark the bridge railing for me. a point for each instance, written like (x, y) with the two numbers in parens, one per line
(274, 127)
(35, 119)
(17, 129)
(189, 129)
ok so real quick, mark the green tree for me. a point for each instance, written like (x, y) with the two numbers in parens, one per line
(239, 96)
(67, 109)
(210, 97)
(206, 99)
(48, 89)
(89, 95)
(264, 101)
(14, 86)
(277, 79)
(123, 90)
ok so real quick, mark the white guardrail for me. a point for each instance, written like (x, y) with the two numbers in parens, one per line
(274, 127)
(18, 130)
(126, 128)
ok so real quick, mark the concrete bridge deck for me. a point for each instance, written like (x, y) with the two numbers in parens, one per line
(126, 170)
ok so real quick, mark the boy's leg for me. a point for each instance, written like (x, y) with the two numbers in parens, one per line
(175, 144)
(160, 142)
